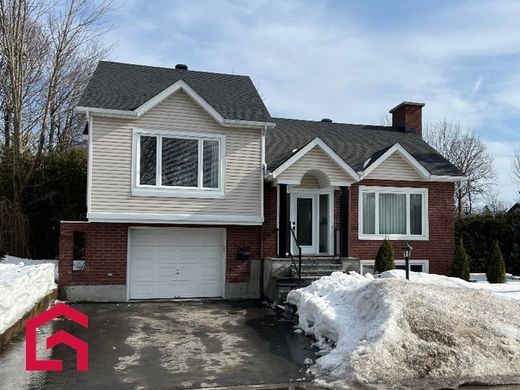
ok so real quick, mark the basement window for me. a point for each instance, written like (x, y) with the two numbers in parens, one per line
(367, 266)
(78, 259)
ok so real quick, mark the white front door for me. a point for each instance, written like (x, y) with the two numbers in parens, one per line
(176, 263)
(311, 218)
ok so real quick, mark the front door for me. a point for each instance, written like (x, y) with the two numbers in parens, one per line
(310, 217)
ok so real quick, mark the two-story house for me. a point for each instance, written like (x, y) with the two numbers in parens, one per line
(192, 185)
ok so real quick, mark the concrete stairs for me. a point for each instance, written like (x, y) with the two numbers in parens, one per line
(313, 268)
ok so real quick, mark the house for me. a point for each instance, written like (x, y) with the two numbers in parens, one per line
(193, 187)
(514, 209)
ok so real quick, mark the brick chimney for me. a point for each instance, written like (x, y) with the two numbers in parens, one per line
(408, 116)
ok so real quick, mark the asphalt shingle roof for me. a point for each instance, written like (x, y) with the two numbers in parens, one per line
(120, 86)
(354, 143)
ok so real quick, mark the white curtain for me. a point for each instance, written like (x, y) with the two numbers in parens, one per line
(392, 213)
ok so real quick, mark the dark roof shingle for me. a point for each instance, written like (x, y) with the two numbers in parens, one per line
(353, 143)
(120, 86)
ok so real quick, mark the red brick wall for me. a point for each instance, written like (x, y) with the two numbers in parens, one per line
(440, 247)
(106, 252)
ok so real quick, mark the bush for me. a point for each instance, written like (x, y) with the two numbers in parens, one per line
(515, 253)
(496, 268)
(478, 233)
(384, 258)
(460, 265)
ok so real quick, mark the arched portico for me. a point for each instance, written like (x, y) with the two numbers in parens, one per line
(307, 182)
(307, 205)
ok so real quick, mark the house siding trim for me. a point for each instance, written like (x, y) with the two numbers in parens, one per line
(173, 218)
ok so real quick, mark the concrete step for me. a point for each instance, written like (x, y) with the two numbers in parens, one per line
(320, 265)
(315, 273)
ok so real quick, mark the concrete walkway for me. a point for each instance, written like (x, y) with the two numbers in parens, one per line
(159, 345)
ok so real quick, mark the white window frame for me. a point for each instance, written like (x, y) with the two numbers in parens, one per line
(425, 264)
(394, 190)
(176, 191)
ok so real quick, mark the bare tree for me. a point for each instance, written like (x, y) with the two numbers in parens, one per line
(469, 154)
(492, 204)
(47, 53)
(515, 167)
(385, 119)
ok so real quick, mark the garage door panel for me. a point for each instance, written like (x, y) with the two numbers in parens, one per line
(171, 263)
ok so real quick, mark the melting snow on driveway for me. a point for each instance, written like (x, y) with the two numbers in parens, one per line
(431, 331)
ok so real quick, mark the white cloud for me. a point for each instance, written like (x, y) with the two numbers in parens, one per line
(477, 85)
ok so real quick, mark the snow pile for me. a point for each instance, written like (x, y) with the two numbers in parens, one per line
(392, 331)
(21, 287)
(17, 260)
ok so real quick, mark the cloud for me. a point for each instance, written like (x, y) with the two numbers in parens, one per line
(503, 155)
(324, 59)
(477, 85)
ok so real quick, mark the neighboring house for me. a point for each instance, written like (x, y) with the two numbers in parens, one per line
(192, 184)
(514, 209)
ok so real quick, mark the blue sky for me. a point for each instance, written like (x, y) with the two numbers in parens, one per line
(350, 61)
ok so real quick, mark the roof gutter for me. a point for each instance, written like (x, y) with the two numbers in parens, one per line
(107, 112)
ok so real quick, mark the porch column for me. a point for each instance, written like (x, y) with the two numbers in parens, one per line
(283, 221)
(343, 221)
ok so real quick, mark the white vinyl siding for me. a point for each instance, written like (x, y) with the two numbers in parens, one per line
(309, 181)
(395, 213)
(395, 167)
(111, 179)
(315, 160)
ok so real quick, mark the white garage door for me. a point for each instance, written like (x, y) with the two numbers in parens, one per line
(176, 263)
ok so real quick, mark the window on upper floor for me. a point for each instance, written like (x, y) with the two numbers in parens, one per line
(178, 164)
(395, 213)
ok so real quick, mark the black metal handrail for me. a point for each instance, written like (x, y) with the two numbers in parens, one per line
(299, 269)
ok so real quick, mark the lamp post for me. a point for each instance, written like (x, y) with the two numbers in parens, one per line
(407, 251)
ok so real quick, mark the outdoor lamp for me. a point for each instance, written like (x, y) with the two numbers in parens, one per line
(407, 251)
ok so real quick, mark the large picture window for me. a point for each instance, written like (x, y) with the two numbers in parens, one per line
(395, 213)
(169, 162)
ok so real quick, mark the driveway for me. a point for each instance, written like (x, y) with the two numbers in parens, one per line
(185, 344)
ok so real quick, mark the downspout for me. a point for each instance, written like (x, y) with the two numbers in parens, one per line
(263, 171)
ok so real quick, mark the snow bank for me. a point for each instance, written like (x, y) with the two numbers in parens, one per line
(392, 331)
(17, 260)
(21, 287)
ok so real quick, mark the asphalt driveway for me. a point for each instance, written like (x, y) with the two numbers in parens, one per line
(186, 344)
